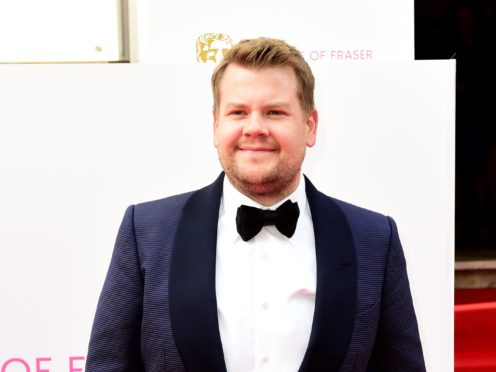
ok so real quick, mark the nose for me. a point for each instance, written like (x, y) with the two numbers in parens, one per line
(255, 126)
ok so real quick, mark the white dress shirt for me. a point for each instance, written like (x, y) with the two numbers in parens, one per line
(265, 288)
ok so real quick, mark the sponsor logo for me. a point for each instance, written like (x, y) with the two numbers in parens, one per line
(338, 55)
(40, 364)
(212, 47)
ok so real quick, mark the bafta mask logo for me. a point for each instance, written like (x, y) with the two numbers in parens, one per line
(212, 47)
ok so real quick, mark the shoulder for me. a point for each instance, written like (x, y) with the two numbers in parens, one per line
(357, 215)
(361, 221)
(171, 208)
(354, 214)
(154, 219)
(365, 225)
(165, 208)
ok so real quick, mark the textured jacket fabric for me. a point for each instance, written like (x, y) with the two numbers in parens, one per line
(157, 310)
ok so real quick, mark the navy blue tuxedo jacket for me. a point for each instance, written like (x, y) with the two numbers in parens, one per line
(158, 312)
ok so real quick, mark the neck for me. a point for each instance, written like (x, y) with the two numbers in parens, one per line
(266, 194)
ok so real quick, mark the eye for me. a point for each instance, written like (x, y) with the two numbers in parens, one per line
(274, 113)
(237, 112)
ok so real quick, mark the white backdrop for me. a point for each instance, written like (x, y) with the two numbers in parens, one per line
(78, 143)
(167, 35)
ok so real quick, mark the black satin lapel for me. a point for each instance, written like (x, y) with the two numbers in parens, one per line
(335, 300)
(193, 303)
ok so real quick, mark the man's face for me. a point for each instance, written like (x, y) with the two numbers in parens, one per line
(261, 131)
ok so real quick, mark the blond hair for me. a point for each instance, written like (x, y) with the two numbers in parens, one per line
(263, 53)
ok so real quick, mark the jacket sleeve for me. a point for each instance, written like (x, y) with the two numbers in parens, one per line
(115, 337)
(398, 346)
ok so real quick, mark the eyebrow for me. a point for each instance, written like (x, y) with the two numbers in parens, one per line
(233, 104)
(278, 104)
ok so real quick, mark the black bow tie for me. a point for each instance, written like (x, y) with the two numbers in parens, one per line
(250, 220)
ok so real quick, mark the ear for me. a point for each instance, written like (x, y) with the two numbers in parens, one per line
(311, 128)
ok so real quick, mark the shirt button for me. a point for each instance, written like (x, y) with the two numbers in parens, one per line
(265, 306)
(265, 359)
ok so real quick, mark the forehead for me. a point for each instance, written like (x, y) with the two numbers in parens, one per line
(269, 82)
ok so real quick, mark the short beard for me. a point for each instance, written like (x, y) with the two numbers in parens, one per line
(277, 184)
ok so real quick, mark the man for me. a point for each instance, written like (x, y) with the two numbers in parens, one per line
(204, 281)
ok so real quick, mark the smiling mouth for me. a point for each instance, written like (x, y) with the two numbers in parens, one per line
(256, 149)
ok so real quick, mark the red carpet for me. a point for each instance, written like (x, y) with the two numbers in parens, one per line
(475, 331)
(472, 296)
